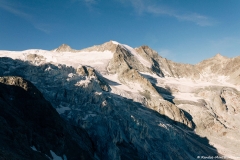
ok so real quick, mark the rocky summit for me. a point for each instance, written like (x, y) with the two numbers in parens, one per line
(112, 101)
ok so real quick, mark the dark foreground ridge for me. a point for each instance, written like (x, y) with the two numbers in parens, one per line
(31, 129)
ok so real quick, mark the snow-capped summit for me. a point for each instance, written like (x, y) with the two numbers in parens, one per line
(115, 42)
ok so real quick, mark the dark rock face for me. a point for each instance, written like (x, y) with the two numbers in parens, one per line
(28, 120)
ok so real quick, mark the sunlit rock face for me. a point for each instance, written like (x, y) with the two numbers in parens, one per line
(135, 104)
(64, 48)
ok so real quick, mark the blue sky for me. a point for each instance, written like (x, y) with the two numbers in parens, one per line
(186, 31)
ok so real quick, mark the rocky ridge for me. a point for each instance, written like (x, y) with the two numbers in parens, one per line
(127, 66)
(125, 92)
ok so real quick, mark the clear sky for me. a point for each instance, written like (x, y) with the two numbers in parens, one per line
(185, 31)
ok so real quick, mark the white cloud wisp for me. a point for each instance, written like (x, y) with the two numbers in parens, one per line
(142, 6)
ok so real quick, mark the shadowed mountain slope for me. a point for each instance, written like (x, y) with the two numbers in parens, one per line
(32, 129)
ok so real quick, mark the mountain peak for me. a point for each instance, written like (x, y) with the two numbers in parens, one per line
(147, 51)
(115, 42)
(64, 45)
(64, 48)
(219, 56)
(110, 46)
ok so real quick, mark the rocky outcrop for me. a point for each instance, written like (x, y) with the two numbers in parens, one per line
(220, 67)
(90, 72)
(151, 56)
(110, 46)
(123, 59)
(32, 129)
(211, 69)
(214, 65)
(166, 68)
(35, 59)
(127, 67)
(218, 117)
(231, 98)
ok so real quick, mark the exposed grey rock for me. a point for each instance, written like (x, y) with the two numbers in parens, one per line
(127, 68)
(34, 58)
(90, 72)
(110, 46)
(217, 119)
(231, 98)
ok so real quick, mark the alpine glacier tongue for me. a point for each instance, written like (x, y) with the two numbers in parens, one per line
(135, 104)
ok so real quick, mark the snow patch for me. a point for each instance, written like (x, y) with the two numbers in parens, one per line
(115, 83)
(115, 42)
(140, 58)
(94, 58)
(87, 116)
(56, 157)
(163, 125)
(62, 109)
(186, 96)
(83, 83)
(34, 148)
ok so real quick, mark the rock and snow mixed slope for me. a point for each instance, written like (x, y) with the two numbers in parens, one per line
(136, 104)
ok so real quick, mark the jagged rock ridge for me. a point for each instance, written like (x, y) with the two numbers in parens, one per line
(120, 90)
